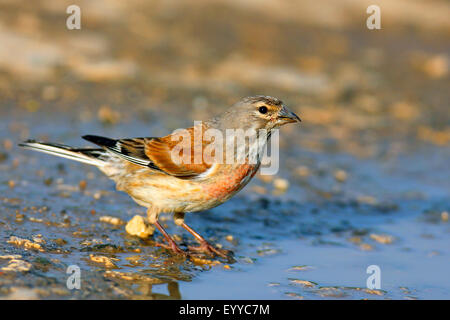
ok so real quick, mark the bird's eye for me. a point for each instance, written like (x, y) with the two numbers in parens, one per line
(262, 109)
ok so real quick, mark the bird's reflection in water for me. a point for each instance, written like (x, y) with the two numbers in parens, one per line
(172, 287)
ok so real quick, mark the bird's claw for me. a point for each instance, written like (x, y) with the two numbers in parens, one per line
(172, 247)
(208, 249)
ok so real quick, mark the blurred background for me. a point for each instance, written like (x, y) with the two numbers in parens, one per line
(366, 171)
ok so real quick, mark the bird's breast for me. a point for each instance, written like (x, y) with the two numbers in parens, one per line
(229, 179)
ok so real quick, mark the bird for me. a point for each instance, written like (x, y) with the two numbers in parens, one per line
(165, 175)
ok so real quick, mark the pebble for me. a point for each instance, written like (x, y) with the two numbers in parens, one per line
(444, 216)
(300, 268)
(340, 175)
(200, 261)
(97, 196)
(38, 239)
(302, 171)
(27, 244)
(15, 264)
(139, 227)
(111, 220)
(382, 238)
(281, 184)
(294, 295)
(374, 291)
(366, 247)
(134, 259)
(367, 200)
(304, 283)
(82, 185)
(107, 262)
(130, 276)
(436, 66)
(355, 239)
(7, 144)
(18, 293)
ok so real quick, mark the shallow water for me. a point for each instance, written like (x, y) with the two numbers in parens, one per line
(278, 240)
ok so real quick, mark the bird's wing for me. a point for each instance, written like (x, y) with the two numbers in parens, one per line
(177, 154)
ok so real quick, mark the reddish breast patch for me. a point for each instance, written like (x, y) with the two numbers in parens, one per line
(229, 181)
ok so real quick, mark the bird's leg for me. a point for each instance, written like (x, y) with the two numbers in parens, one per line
(172, 244)
(204, 245)
(153, 219)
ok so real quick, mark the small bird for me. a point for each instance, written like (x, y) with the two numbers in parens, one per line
(155, 175)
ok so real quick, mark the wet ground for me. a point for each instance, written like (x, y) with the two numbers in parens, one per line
(364, 180)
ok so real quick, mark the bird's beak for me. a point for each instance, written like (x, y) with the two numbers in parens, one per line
(287, 116)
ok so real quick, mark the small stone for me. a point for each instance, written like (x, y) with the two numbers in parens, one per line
(82, 185)
(302, 171)
(129, 276)
(11, 184)
(374, 291)
(201, 261)
(3, 156)
(11, 256)
(382, 238)
(138, 226)
(7, 144)
(15, 163)
(366, 247)
(304, 283)
(436, 66)
(38, 239)
(134, 259)
(107, 262)
(356, 240)
(281, 184)
(367, 200)
(27, 244)
(294, 295)
(444, 216)
(18, 293)
(111, 220)
(229, 238)
(16, 265)
(97, 195)
(300, 268)
(340, 175)
(48, 181)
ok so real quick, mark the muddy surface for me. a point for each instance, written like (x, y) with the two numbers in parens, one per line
(364, 180)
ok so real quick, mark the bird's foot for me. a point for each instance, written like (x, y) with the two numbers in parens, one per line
(208, 249)
(172, 246)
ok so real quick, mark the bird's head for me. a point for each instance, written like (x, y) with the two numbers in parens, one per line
(258, 112)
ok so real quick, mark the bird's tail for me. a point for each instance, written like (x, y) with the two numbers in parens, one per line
(96, 157)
